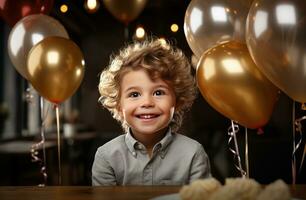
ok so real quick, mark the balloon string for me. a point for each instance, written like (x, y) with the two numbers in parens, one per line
(293, 162)
(247, 153)
(41, 145)
(303, 157)
(58, 146)
(232, 130)
(299, 127)
(29, 95)
(42, 133)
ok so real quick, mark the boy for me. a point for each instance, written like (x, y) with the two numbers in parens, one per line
(147, 87)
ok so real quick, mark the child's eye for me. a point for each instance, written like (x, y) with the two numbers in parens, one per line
(134, 94)
(159, 92)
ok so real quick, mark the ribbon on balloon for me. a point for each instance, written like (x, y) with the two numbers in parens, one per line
(275, 36)
(56, 69)
(231, 83)
(35, 148)
(55, 73)
(41, 145)
(297, 141)
(232, 130)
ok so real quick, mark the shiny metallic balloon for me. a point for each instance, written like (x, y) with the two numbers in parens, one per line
(211, 22)
(276, 39)
(56, 68)
(231, 83)
(125, 10)
(26, 33)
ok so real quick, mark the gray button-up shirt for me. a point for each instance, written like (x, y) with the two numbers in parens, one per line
(176, 160)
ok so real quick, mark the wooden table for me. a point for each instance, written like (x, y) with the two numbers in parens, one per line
(100, 193)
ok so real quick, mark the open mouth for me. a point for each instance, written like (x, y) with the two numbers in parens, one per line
(147, 116)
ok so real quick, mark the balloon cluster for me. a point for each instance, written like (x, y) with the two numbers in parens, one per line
(40, 49)
(241, 47)
(277, 43)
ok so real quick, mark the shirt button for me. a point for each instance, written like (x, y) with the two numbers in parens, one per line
(162, 154)
(134, 153)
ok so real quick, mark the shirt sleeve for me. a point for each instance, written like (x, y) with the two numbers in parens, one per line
(102, 172)
(200, 166)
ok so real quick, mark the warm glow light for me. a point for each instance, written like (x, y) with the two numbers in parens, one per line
(232, 66)
(210, 68)
(174, 28)
(92, 5)
(286, 14)
(15, 44)
(196, 18)
(64, 8)
(78, 72)
(140, 33)
(53, 57)
(261, 23)
(218, 14)
(36, 37)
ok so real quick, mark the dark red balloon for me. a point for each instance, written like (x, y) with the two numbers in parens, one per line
(12, 11)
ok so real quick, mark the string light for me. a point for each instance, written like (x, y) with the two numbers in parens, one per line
(140, 32)
(64, 8)
(91, 5)
(174, 28)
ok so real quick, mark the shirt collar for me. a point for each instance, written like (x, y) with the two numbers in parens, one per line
(166, 140)
(131, 142)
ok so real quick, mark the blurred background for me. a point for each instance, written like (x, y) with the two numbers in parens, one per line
(85, 125)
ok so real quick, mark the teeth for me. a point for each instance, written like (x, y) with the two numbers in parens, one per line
(146, 116)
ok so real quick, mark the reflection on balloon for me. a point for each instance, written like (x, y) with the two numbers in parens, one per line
(28, 32)
(211, 22)
(125, 11)
(276, 40)
(13, 11)
(56, 68)
(194, 61)
(231, 83)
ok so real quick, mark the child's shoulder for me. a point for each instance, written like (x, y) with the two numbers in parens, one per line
(183, 139)
(116, 143)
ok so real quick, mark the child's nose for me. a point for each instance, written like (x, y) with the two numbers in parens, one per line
(148, 101)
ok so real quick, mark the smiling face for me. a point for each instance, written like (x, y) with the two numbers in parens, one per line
(147, 106)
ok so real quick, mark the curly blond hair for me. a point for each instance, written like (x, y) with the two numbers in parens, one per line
(160, 60)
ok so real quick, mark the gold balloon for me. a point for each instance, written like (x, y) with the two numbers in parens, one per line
(56, 68)
(26, 33)
(125, 10)
(231, 83)
(276, 39)
(211, 22)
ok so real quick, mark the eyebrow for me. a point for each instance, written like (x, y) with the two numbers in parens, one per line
(163, 86)
(131, 88)
(137, 88)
